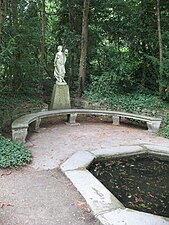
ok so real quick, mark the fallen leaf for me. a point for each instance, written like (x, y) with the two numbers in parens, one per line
(6, 174)
(83, 207)
(5, 204)
(81, 218)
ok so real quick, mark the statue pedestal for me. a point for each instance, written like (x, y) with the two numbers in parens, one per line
(60, 97)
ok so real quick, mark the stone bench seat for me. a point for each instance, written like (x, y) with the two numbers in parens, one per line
(20, 126)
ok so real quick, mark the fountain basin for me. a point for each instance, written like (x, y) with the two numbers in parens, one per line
(105, 206)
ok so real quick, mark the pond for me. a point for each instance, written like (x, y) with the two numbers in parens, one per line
(139, 182)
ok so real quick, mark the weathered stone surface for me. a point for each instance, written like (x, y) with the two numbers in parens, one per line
(97, 196)
(60, 97)
(72, 118)
(157, 149)
(80, 160)
(131, 217)
(153, 126)
(19, 134)
(116, 151)
(36, 124)
(116, 120)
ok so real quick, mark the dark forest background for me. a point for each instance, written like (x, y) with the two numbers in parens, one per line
(118, 52)
(127, 45)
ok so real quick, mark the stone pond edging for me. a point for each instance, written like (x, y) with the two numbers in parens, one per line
(105, 206)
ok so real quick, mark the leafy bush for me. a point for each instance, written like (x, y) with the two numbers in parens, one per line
(13, 106)
(13, 154)
(165, 130)
(116, 72)
(142, 103)
(131, 102)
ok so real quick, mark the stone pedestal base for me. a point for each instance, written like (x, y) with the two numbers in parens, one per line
(60, 97)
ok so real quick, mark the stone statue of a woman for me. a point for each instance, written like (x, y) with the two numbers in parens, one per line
(59, 64)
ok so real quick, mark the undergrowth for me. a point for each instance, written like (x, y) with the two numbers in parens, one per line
(131, 102)
(165, 130)
(13, 154)
(14, 106)
(10, 101)
(141, 103)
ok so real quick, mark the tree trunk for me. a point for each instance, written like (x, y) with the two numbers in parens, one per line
(15, 67)
(42, 53)
(160, 45)
(82, 67)
(15, 14)
(1, 15)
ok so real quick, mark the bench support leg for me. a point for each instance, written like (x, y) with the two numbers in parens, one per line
(34, 126)
(37, 124)
(153, 126)
(116, 120)
(72, 119)
(20, 134)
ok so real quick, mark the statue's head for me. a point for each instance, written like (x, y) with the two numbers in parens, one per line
(60, 48)
(66, 51)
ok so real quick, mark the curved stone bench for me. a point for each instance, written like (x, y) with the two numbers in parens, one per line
(20, 125)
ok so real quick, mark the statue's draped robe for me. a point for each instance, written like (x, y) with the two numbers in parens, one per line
(59, 64)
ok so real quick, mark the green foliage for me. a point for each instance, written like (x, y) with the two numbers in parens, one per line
(13, 154)
(164, 81)
(19, 50)
(13, 101)
(131, 102)
(113, 71)
(13, 106)
(165, 130)
(130, 25)
(123, 48)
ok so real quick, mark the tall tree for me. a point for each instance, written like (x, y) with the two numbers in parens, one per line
(14, 7)
(42, 54)
(84, 39)
(159, 33)
(160, 44)
(2, 9)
